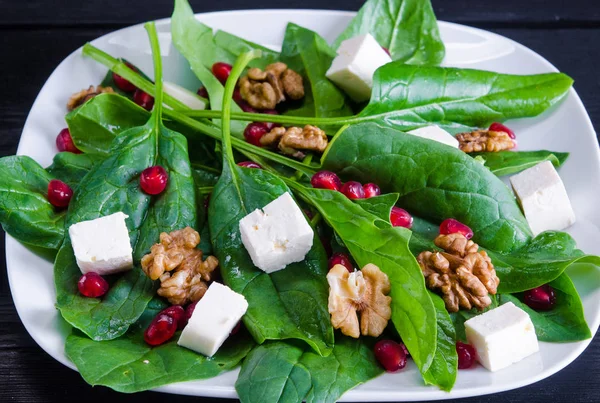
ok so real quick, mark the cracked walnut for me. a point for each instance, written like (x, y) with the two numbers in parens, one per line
(81, 97)
(265, 89)
(293, 140)
(484, 140)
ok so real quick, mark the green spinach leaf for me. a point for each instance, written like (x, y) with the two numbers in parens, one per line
(236, 46)
(511, 162)
(407, 28)
(381, 206)
(71, 168)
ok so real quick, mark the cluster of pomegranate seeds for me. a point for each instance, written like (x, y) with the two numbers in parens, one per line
(391, 355)
(466, 355)
(371, 190)
(64, 142)
(160, 330)
(59, 193)
(341, 258)
(123, 84)
(541, 298)
(499, 127)
(92, 285)
(249, 164)
(143, 99)
(203, 92)
(253, 133)
(326, 180)
(153, 180)
(353, 190)
(221, 71)
(452, 226)
(400, 218)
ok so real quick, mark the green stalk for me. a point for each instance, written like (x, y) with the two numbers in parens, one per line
(157, 61)
(283, 119)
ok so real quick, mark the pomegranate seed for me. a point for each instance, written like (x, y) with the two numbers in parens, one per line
(153, 180)
(353, 190)
(161, 329)
(236, 329)
(249, 164)
(189, 310)
(386, 50)
(400, 218)
(178, 314)
(246, 107)
(499, 127)
(64, 142)
(123, 84)
(341, 258)
(237, 96)
(371, 190)
(59, 193)
(541, 298)
(326, 180)
(466, 355)
(452, 226)
(92, 285)
(143, 99)
(253, 133)
(221, 71)
(390, 355)
(404, 349)
(203, 92)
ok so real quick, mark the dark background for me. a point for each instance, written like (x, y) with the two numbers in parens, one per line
(37, 34)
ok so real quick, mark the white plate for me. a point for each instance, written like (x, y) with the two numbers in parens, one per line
(566, 128)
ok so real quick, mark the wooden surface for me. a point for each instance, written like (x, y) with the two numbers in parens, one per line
(38, 34)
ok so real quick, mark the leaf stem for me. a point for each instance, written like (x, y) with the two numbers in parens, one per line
(284, 119)
(157, 61)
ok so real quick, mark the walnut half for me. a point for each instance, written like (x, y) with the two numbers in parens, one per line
(365, 292)
(81, 97)
(184, 276)
(294, 140)
(484, 140)
(265, 89)
(463, 275)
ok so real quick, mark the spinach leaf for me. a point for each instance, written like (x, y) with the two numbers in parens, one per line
(113, 186)
(407, 96)
(284, 372)
(129, 365)
(512, 162)
(407, 28)
(307, 53)
(565, 322)
(236, 46)
(25, 212)
(289, 303)
(443, 369)
(71, 168)
(434, 181)
(373, 240)
(381, 206)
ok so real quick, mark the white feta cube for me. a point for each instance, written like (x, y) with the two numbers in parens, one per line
(435, 133)
(278, 235)
(353, 68)
(102, 245)
(214, 317)
(184, 96)
(543, 198)
(502, 336)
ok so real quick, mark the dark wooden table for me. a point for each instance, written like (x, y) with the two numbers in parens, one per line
(38, 34)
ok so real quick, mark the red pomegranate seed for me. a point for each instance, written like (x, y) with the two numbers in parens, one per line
(64, 142)
(161, 329)
(236, 329)
(541, 298)
(237, 96)
(92, 285)
(221, 71)
(253, 133)
(153, 180)
(178, 314)
(249, 164)
(326, 180)
(59, 193)
(189, 310)
(466, 355)
(405, 349)
(341, 258)
(203, 92)
(390, 355)
(400, 218)
(143, 99)
(452, 226)
(499, 127)
(353, 190)
(123, 84)
(371, 190)
(246, 107)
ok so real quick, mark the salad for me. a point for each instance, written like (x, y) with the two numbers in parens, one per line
(316, 216)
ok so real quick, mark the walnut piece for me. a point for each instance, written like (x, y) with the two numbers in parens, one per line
(79, 98)
(463, 274)
(484, 140)
(265, 89)
(365, 292)
(293, 140)
(177, 253)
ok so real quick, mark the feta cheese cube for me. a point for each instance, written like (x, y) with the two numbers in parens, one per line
(435, 133)
(278, 235)
(214, 317)
(502, 336)
(102, 245)
(353, 68)
(184, 96)
(543, 198)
